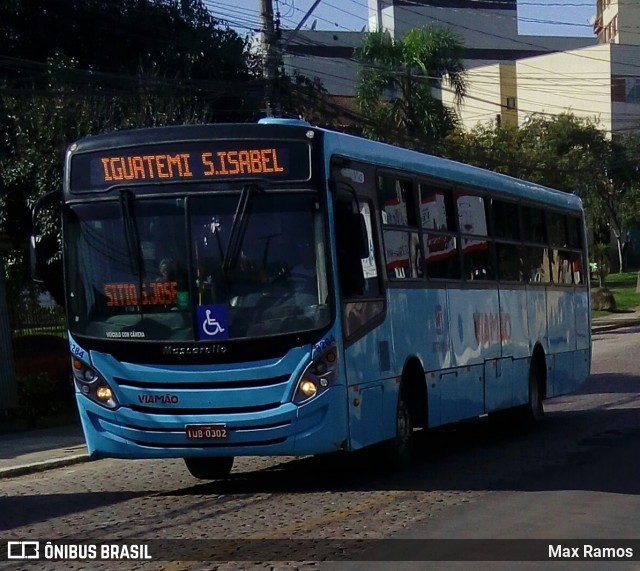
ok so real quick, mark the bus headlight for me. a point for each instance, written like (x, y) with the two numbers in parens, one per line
(318, 376)
(92, 385)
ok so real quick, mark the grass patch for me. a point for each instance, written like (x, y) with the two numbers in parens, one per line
(622, 280)
(623, 288)
(626, 299)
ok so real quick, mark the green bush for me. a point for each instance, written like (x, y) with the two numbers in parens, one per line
(37, 396)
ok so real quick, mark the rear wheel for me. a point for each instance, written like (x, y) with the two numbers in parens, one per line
(535, 411)
(525, 416)
(209, 468)
(403, 443)
(528, 415)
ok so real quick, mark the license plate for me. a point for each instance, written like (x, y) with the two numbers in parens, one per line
(206, 431)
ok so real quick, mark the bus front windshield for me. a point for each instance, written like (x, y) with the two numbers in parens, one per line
(213, 267)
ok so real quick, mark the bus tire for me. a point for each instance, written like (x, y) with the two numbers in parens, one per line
(535, 409)
(403, 443)
(210, 468)
(532, 413)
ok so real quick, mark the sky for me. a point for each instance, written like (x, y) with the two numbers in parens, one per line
(535, 17)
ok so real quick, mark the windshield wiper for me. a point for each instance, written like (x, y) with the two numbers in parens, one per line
(239, 226)
(132, 235)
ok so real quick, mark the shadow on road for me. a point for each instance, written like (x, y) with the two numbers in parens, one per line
(566, 452)
(18, 511)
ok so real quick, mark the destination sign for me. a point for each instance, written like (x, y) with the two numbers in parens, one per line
(180, 162)
(127, 294)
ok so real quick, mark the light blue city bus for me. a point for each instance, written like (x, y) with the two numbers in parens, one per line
(281, 289)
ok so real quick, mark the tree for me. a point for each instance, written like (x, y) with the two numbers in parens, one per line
(396, 84)
(568, 153)
(176, 39)
(619, 195)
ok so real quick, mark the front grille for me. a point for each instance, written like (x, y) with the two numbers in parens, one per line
(208, 385)
(210, 411)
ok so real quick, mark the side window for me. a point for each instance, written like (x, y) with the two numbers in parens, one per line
(506, 224)
(396, 201)
(534, 234)
(533, 226)
(357, 266)
(561, 267)
(557, 229)
(574, 241)
(369, 264)
(399, 226)
(437, 217)
(537, 270)
(510, 253)
(574, 234)
(436, 209)
(510, 262)
(477, 249)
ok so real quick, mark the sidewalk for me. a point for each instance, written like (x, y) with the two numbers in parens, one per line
(37, 450)
(615, 321)
(41, 449)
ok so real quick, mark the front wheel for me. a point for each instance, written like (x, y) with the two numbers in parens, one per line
(209, 468)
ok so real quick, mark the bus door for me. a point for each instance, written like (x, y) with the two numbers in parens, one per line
(367, 358)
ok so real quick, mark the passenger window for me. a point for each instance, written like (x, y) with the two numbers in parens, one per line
(441, 257)
(436, 209)
(556, 229)
(403, 254)
(574, 233)
(506, 224)
(510, 262)
(396, 201)
(562, 267)
(533, 225)
(477, 259)
(472, 218)
(477, 253)
(401, 246)
(538, 265)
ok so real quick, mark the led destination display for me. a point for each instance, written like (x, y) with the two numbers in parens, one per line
(199, 162)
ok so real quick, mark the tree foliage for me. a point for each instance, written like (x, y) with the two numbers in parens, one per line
(396, 83)
(567, 153)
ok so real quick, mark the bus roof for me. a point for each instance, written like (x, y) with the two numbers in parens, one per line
(393, 157)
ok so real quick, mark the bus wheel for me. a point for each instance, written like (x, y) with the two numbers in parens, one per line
(403, 443)
(209, 468)
(535, 409)
(529, 415)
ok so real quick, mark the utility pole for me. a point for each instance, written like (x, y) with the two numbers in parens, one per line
(270, 59)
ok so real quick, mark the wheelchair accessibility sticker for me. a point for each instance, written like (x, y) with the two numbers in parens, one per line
(213, 322)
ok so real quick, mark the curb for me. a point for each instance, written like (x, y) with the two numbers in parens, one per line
(43, 465)
(611, 326)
